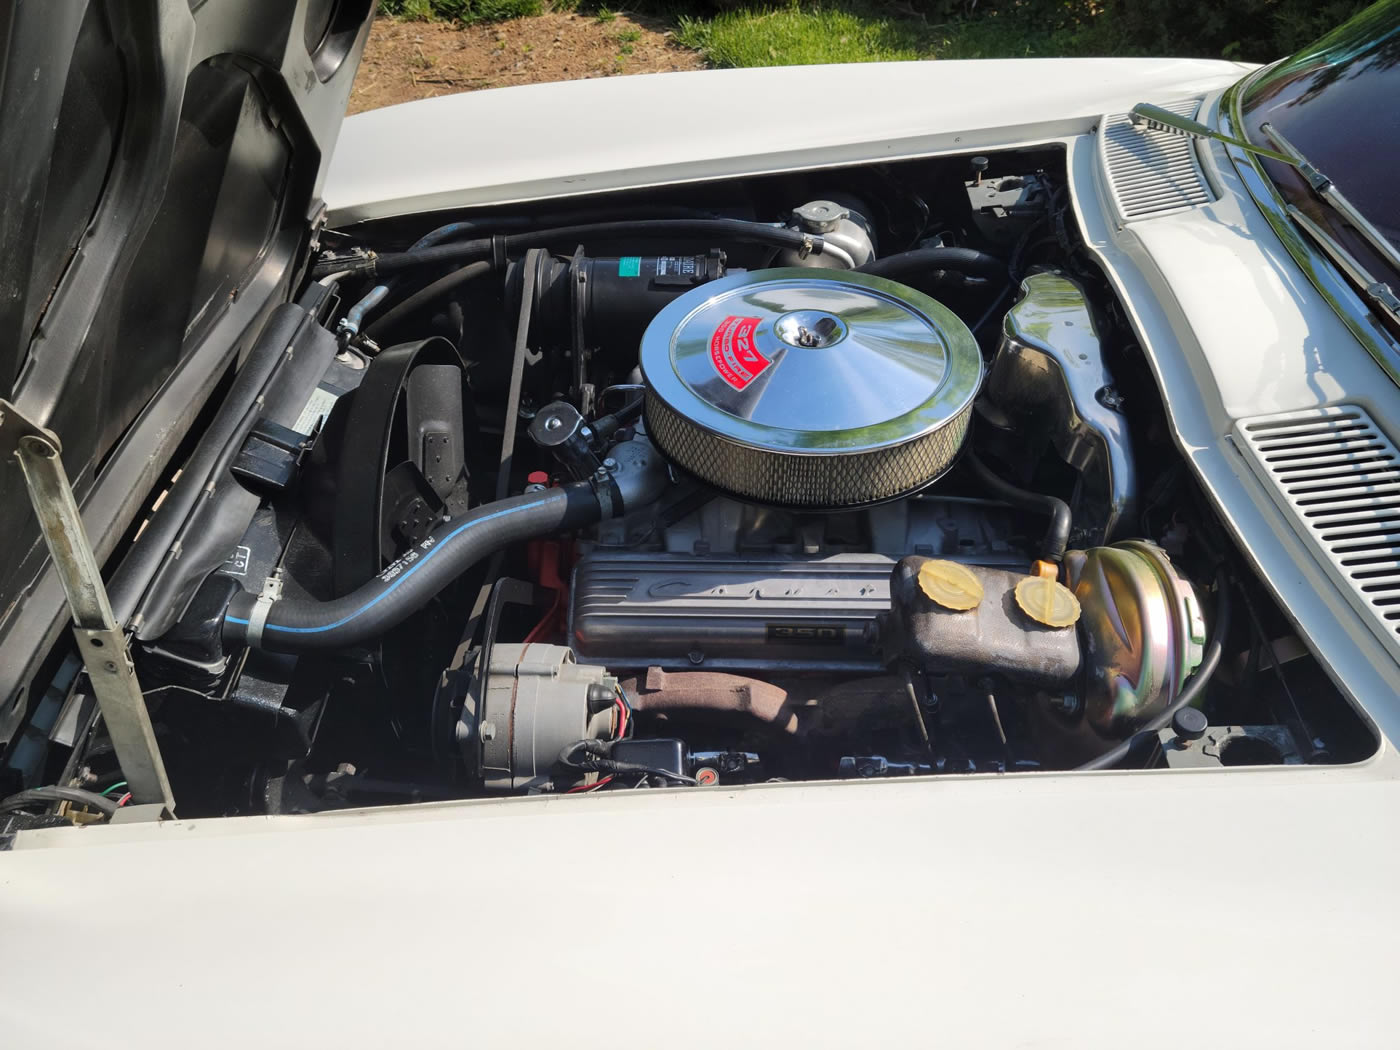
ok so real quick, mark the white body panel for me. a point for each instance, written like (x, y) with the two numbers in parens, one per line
(1234, 909)
(588, 136)
(1231, 908)
(1233, 329)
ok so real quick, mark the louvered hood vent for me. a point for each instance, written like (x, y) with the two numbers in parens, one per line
(1152, 173)
(1340, 475)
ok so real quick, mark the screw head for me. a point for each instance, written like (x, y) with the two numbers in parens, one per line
(38, 446)
(553, 423)
(487, 731)
(1066, 703)
(1110, 398)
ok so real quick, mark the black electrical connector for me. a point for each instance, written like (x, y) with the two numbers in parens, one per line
(665, 754)
(595, 756)
(270, 457)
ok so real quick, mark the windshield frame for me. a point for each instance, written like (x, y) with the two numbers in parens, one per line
(1341, 294)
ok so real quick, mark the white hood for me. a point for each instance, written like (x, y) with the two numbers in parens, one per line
(587, 136)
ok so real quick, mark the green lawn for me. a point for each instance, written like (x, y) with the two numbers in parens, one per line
(806, 34)
(801, 32)
(792, 36)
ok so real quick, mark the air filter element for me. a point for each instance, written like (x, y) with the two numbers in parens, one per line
(808, 388)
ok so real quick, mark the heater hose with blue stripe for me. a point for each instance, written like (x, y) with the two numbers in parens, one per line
(412, 580)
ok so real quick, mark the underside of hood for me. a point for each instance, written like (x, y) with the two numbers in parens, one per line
(163, 167)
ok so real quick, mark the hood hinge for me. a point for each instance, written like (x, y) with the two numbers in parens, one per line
(101, 642)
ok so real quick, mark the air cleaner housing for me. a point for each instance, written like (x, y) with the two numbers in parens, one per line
(808, 388)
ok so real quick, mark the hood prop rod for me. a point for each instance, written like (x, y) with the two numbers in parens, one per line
(101, 642)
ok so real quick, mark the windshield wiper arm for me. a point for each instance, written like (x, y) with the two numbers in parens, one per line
(1324, 188)
(1380, 293)
(1145, 116)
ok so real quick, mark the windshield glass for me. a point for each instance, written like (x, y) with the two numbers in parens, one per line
(1338, 103)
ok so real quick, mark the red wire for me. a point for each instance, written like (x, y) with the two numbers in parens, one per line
(589, 787)
(621, 728)
(621, 717)
(124, 799)
(546, 623)
(548, 575)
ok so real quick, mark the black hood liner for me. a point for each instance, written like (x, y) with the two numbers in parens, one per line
(163, 160)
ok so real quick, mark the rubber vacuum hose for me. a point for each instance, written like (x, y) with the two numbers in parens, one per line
(966, 261)
(1052, 548)
(480, 248)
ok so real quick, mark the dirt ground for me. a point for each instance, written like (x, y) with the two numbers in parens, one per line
(411, 60)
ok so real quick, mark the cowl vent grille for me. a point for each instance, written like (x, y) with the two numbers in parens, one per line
(1339, 475)
(1153, 173)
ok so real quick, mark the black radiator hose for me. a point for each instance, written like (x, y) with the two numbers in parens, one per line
(966, 261)
(411, 581)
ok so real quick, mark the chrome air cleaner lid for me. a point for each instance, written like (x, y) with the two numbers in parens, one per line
(809, 388)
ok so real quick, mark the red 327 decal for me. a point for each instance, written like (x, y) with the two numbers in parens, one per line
(734, 354)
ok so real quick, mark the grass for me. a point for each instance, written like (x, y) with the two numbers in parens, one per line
(469, 11)
(827, 31)
(797, 32)
(788, 32)
(796, 36)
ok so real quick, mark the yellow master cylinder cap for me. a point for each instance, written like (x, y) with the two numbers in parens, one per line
(953, 586)
(1047, 601)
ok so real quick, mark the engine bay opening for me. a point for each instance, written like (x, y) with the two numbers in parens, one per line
(841, 474)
